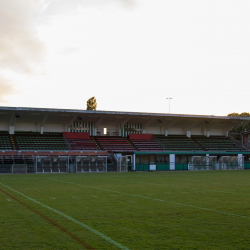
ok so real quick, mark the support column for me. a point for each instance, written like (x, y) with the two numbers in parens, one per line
(240, 162)
(12, 123)
(43, 122)
(172, 162)
(207, 161)
(134, 157)
(36, 166)
(11, 130)
(205, 130)
(189, 134)
(166, 133)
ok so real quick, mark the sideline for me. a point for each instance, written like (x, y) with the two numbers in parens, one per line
(71, 219)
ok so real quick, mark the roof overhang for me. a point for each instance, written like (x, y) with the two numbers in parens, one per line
(64, 116)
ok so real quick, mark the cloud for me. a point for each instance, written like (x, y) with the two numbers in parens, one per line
(53, 7)
(20, 48)
(6, 89)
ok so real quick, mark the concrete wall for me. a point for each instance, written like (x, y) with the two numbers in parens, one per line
(54, 128)
(153, 130)
(26, 127)
(4, 126)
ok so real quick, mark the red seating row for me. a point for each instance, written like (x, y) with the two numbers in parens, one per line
(80, 141)
(115, 144)
(133, 136)
(144, 142)
(72, 135)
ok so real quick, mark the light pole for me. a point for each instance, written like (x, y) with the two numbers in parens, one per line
(169, 103)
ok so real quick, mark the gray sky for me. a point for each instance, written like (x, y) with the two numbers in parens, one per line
(130, 54)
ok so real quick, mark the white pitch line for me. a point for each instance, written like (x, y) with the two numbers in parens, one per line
(71, 219)
(196, 189)
(145, 197)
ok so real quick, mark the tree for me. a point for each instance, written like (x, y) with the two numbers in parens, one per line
(91, 103)
(241, 127)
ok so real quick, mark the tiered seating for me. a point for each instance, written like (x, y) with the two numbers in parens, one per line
(114, 143)
(36, 141)
(80, 141)
(144, 142)
(216, 143)
(177, 143)
(4, 141)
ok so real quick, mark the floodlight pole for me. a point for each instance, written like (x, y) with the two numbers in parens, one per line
(169, 103)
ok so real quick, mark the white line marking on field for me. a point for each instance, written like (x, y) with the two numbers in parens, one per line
(71, 219)
(170, 202)
(74, 197)
(53, 198)
(8, 199)
(196, 189)
(94, 196)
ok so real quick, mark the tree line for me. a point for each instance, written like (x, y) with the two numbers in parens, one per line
(241, 127)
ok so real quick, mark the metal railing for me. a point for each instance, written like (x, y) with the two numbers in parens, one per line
(238, 143)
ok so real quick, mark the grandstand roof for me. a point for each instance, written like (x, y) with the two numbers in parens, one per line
(59, 116)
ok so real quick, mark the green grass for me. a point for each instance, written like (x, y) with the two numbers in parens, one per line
(141, 210)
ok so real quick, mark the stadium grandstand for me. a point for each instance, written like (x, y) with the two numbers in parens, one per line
(38, 140)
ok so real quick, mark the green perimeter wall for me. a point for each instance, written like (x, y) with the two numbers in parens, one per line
(147, 158)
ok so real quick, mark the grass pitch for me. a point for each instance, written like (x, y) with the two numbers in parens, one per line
(143, 210)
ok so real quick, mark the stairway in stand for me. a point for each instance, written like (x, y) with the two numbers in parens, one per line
(13, 142)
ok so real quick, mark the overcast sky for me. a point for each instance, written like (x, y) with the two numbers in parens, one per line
(130, 54)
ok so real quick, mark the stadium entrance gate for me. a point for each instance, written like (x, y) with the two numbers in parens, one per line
(123, 163)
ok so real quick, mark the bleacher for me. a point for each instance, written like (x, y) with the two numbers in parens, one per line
(48, 141)
(80, 141)
(177, 143)
(5, 143)
(114, 143)
(144, 142)
(216, 143)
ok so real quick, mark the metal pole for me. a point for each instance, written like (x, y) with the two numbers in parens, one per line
(169, 103)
